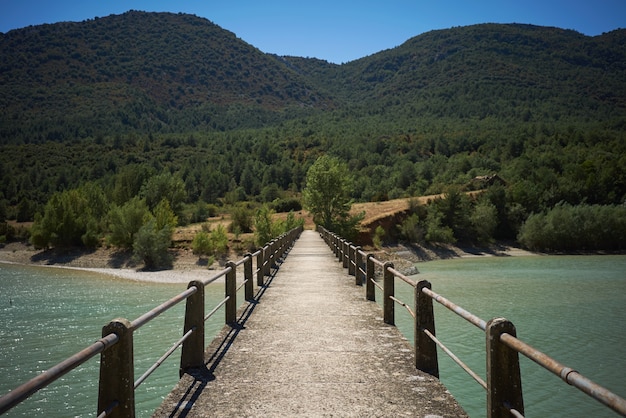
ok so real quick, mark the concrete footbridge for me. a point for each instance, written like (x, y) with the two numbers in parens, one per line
(310, 346)
(310, 340)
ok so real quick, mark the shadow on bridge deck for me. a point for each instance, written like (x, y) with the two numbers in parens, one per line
(309, 345)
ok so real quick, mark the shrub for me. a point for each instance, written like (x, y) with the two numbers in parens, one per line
(219, 240)
(377, 239)
(125, 221)
(151, 245)
(201, 244)
(569, 228)
(241, 220)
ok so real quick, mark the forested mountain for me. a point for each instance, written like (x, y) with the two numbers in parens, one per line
(139, 72)
(137, 94)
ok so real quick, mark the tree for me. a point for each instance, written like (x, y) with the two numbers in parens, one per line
(125, 221)
(164, 186)
(327, 195)
(484, 219)
(151, 245)
(70, 218)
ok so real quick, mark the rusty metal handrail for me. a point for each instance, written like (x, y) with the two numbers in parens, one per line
(568, 375)
(468, 316)
(150, 315)
(28, 388)
(25, 390)
(164, 357)
(457, 360)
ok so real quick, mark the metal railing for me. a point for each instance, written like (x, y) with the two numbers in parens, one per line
(116, 387)
(504, 382)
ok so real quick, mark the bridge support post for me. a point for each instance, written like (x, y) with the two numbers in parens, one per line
(425, 348)
(389, 292)
(192, 353)
(504, 382)
(267, 257)
(260, 273)
(247, 275)
(231, 293)
(351, 260)
(358, 276)
(370, 292)
(117, 372)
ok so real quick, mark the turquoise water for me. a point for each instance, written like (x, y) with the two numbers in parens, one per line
(49, 314)
(572, 308)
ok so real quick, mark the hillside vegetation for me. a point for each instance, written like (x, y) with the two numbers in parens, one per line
(116, 101)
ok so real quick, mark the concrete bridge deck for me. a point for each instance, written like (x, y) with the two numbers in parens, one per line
(310, 346)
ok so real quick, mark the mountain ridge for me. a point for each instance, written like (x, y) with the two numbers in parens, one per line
(165, 72)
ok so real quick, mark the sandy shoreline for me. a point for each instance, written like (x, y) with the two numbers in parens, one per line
(188, 267)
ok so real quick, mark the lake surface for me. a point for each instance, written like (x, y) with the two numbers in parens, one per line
(48, 314)
(571, 308)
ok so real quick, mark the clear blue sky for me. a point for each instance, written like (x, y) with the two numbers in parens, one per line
(337, 31)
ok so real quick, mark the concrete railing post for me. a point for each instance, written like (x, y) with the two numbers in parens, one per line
(267, 257)
(345, 256)
(192, 353)
(370, 291)
(260, 273)
(425, 348)
(231, 293)
(247, 275)
(504, 381)
(358, 277)
(389, 292)
(117, 371)
(351, 260)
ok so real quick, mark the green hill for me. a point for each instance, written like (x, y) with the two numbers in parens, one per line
(142, 93)
(138, 72)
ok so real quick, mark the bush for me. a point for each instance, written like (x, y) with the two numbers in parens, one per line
(411, 229)
(125, 221)
(571, 228)
(287, 205)
(201, 244)
(377, 239)
(435, 230)
(151, 245)
(241, 220)
(219, 241)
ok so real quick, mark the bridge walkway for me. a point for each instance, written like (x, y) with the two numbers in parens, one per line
(310, 345)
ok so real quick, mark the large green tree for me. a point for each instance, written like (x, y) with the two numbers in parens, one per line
(327, 195)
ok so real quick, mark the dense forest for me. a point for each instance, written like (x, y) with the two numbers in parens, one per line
(111, 103)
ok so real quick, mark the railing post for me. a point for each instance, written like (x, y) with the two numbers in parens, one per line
(247, 275)
(345, 254)
(267, 256)
(370, 292)
(504, 381)
(425, 348)
(192, 353)
(260, 272)
(388, 291)
(358, 276)
(351, 260)
(231, 293)
(117, 371)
